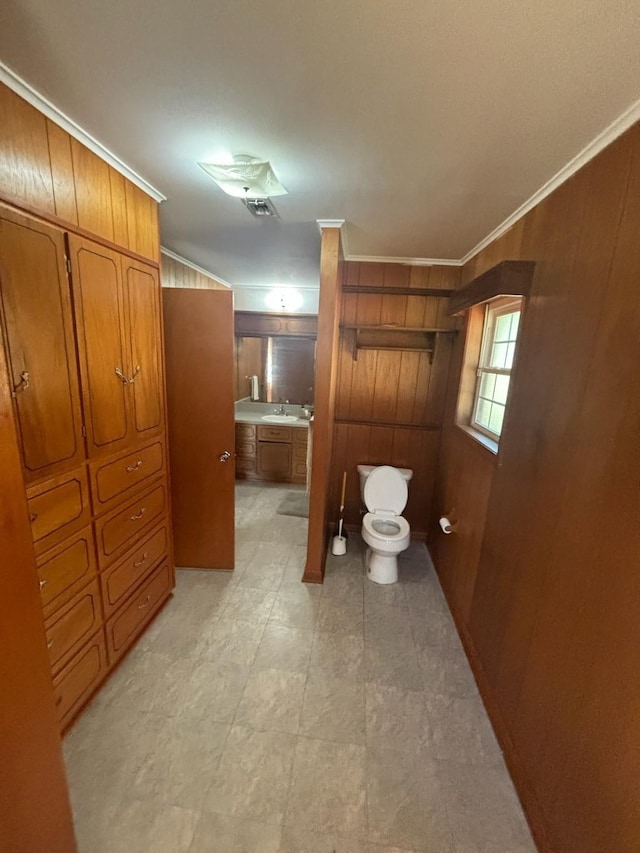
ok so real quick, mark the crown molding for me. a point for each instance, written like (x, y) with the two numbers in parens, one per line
(413, 262)
(264, 286)
(14, 82)
(617, 127)
(329, 223)
(193, 266)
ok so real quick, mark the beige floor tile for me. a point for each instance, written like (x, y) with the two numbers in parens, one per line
(426, 595)
(328, 788)
(461, 731)
(155, 683)
(296, 840)
(214, 691)
(446, 672)
(340, 616)
(396, 715)
(262, 577)
(484, 810)
(282, 647)
(434, 628)
(387, 623)
(223, 834)
(394, 663)
(250, 605)
(139, 826)
(406, 805)
(178, 771)
(272, 701)
(392, 594)
(253, 776)
(337, 656)
(296, 607)
(335, 711)
(233, 640)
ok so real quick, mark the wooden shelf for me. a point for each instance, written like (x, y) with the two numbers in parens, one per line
(396, 338)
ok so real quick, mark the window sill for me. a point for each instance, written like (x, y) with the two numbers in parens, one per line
(489, 444)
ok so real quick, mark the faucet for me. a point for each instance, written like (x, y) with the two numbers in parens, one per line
(281, 410)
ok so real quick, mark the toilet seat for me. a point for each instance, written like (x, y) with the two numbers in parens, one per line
(379, 526)
(385, 491)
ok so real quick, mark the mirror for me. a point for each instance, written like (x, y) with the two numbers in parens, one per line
(285, 367)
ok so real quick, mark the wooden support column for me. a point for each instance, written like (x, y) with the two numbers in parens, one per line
(325, 395)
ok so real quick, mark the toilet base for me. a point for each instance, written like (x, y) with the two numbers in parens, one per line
(381, 568)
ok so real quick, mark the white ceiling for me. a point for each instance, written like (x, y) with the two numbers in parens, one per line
(423, 124)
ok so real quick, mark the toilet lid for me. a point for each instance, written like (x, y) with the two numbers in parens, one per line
(385, 490)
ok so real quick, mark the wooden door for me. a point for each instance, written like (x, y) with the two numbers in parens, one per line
(142, 288)
(36, 306)
(102, 341)
(35, 814)
(199, 364)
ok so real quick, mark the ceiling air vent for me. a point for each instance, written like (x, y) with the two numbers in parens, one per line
(260, 206)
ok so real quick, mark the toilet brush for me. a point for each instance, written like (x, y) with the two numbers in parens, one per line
(339, 546)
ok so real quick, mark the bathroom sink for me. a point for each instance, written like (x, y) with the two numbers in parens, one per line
(280, 419)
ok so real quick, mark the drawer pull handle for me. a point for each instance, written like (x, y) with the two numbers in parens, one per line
(139, 563)
(58, 701)
(23, 384)
(121, 376)
(145, 603)
(130, 468)
(33, 517)
(42, 584)
(50, 644)
(133, 378)
(138, 515)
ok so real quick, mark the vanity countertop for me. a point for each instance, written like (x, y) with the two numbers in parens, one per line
(247, 414)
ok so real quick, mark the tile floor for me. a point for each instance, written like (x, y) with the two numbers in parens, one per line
(261, 715)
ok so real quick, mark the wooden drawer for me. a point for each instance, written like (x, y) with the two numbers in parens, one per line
(300, 435)
(246, 465)
(113, 479)
(271, 433)
(245, 431)
(58, 508)
(125, 626)
(120, 529)
(119, 580)
(246, 448)
(74, 684)
(72, 625)
(300, 452)
(65, 569)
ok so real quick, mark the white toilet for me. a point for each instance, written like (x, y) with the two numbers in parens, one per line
(384, 492)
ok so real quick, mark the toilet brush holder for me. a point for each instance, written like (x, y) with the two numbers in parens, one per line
(339, 546)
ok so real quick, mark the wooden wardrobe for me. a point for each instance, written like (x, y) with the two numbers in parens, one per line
(81, 326)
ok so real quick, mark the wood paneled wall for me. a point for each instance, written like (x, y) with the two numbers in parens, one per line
(177, 274)
(390, 404)
(46, 171)
(545, 584)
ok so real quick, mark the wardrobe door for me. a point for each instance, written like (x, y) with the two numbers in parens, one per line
(142, 288)
(102, 341)
(36, 305)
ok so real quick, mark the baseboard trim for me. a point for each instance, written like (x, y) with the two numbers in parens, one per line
(526, 794)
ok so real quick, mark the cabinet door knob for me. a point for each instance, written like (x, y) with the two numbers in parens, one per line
(224, 457)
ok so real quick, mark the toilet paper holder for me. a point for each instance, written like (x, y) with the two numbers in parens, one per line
(448, 522)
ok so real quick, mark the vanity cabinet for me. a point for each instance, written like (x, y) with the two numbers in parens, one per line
(275, 454)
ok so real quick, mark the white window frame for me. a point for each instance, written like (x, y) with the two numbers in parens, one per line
(494, 309)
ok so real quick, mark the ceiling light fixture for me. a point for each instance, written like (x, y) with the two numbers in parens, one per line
(246, 177)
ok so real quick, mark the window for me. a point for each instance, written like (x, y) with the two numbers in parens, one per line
(500, 331)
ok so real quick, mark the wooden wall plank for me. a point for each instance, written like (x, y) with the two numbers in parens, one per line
(25, 168)
(119, 209)
(93, 191)
(545, 582)
(64, 188)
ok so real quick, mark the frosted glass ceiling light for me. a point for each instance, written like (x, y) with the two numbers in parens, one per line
(245, 177)
(284, 299)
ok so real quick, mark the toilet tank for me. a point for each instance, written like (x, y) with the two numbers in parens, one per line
(365, 470)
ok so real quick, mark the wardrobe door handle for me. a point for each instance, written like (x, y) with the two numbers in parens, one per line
(23, 384)
(137, 515)
(136, 373)
(121, 376)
